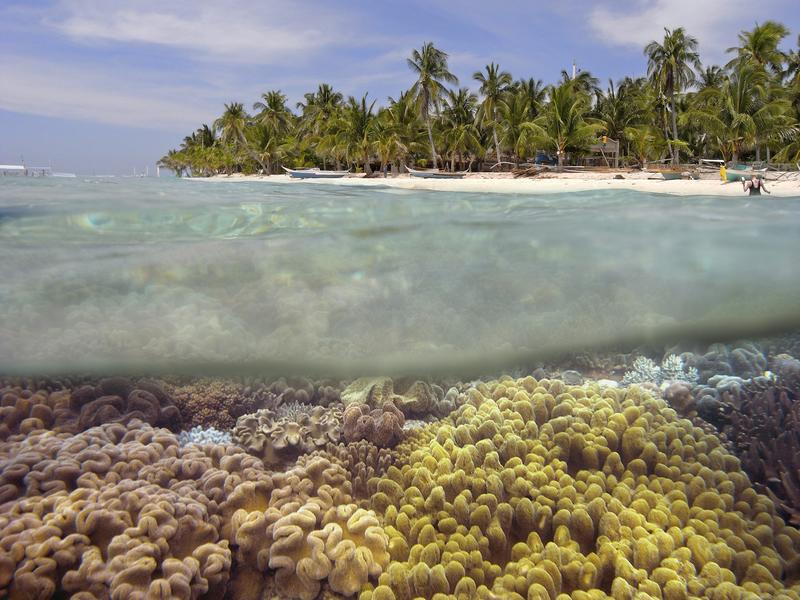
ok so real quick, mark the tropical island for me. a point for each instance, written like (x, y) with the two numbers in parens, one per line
(681, 111)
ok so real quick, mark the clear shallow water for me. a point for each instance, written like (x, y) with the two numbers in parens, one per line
(160, 275)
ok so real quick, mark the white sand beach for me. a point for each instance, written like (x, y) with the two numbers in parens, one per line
(550, 183)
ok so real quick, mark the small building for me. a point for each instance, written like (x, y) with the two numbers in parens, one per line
(604, 153)
(22, 170)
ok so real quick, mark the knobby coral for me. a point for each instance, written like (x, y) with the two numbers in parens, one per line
(539, 490)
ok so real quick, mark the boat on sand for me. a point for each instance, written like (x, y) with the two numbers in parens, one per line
(315, 173)
(435, 173)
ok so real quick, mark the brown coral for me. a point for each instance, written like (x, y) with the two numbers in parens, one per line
(381, 426)
(412, 397)
(307, 530)
(117, 400)
(118, 511)
(219, 402)
(281, 435)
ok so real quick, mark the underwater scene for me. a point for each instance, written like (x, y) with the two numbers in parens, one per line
(300, 391)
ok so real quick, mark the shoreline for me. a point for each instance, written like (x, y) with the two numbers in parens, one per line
(504, 183)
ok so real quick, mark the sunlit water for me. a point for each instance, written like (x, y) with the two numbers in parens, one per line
(163, 274)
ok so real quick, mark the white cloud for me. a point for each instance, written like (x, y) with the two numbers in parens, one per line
(245, 31)
(714, 23)
(34, 86)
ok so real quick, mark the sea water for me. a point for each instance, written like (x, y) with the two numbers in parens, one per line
(169, 275)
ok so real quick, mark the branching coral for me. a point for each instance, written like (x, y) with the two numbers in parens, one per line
(535, 489)
(762, 420)
(671, 369)
(282, 435)
(218, 402)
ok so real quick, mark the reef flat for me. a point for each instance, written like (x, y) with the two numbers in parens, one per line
(519, 488)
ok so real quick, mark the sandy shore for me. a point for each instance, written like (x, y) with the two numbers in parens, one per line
(565, 182)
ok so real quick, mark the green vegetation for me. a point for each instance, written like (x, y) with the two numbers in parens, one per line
(681, 111)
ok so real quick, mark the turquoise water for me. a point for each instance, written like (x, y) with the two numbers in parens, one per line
(163, 274)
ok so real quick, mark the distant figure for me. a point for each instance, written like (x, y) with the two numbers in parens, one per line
(755, 185)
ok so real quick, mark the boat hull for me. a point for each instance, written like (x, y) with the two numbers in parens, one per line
(434, 174)
(315, 174)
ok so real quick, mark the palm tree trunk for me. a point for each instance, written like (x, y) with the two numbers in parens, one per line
(674, 128)
(430, 139)
(560, 161)
(758, 151)
(496, 143)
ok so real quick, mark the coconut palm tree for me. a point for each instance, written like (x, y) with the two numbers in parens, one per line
(669, 65)
(429, 64)
(622, 106)
(740, 110)
(759, 46)
(564, 125)
(460, 132)
(233, 126)
(494, 86)
(534, 92)
(273, 113)
(356, 130)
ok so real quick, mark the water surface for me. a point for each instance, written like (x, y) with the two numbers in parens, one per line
(163, 274)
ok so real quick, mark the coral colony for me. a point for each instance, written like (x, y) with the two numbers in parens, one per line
(681, 483)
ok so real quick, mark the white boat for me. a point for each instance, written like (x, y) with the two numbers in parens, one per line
(435, 173)
(315, 173)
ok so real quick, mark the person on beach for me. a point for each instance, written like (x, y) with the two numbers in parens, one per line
(755, 185)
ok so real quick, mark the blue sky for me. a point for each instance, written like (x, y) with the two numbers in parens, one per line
(104, 86)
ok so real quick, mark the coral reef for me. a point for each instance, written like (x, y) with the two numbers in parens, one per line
(117, 511)
(218, 403)
(761, 418)
(305, 391)
(199, 435)
(112, 400)
(281, 435)
(412, 397)
(382, 426)
(306, 530)
(671, 369)
(745, 360)
(362, 460)
(535, 489)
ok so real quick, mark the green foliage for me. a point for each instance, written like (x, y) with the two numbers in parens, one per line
(735, 112)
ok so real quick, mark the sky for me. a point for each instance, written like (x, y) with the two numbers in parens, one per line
(108, 86)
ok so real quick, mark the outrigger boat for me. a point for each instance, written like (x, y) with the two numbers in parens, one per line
(315, 173)
(739, 172)
(435, 173)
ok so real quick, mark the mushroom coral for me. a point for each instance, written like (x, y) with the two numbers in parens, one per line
(535, 489)
(281, 435)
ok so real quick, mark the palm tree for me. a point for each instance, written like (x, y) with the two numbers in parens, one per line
(534, 92)
(564, 125)
(494, 86)
(461, 135)
(711, 77)
(669, 65)
(233, 125)
(584, 81)
(273, 113)
(760, 47)
(430, 66)
(740, 109)
(387, 139)
(622, 106)
(356, 130)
